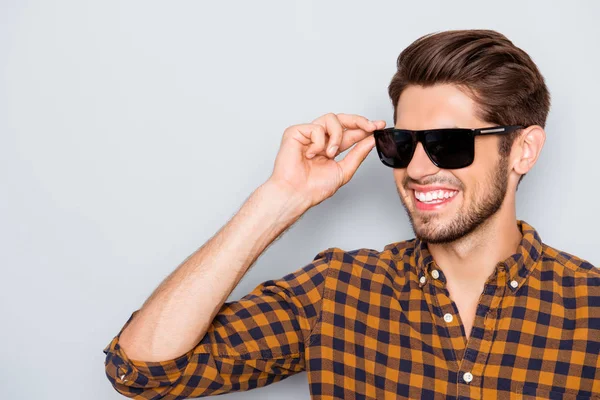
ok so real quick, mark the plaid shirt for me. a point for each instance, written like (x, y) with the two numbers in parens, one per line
(366, 324)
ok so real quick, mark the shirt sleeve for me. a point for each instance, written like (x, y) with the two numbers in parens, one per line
(252, 342)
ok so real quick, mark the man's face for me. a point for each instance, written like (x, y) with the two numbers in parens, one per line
(479, 189)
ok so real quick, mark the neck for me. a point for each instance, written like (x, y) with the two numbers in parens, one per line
(469, 261)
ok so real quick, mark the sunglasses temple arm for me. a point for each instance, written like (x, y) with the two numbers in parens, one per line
(497, 131)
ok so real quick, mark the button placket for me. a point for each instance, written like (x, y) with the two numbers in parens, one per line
(443, 311)
(478, 347)
(465, 389)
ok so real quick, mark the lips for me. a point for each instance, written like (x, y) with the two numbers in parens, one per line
(435, 205)
(431, 188)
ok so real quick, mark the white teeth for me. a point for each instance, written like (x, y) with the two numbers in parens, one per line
(435, 196)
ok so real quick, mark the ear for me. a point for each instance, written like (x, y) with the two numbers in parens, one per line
(527, 148)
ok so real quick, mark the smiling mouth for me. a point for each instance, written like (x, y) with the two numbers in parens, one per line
(434, 200)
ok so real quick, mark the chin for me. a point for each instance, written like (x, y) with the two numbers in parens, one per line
(432, 232)
(436, 238)
(434, 228)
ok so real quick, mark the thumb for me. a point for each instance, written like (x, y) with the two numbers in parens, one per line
(355, 157)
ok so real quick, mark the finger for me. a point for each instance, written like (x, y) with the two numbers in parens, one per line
(334, 130)
(336, 133)
(355, 157)
(380, 124)
(315, 133)
(348, 121)
(352, 136)
(354, 121)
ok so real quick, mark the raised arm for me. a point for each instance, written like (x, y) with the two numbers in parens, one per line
(170, 329)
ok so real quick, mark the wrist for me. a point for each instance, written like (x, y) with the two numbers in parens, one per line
(282, 195)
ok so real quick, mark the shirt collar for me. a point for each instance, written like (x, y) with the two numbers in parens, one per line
(518, 265)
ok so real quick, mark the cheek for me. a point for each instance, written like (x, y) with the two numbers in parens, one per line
(478, 177)
(399, 176)
(476, 187)
(468, 181)
(486, 152)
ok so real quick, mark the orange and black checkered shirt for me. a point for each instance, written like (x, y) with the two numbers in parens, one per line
(368, 324)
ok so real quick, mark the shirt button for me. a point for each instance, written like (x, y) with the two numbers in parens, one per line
(422, 279)
(121, 370)
(468, 377)
(514, 284)
(448, 317)
(435, 273)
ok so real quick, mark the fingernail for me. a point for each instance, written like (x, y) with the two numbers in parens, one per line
(333, 149)
(310, 155)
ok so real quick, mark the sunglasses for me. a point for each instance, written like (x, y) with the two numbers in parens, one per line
(449, 148)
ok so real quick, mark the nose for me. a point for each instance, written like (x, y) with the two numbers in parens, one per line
(420, 165)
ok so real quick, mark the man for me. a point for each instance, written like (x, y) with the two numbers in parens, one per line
(475, 306)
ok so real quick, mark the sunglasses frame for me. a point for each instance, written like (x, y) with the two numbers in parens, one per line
(419, 136)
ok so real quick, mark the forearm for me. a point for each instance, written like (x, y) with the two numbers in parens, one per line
(177, 315)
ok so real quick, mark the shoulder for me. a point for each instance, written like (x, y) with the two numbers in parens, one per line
(389, 263)
(573, 278)
(568, 264)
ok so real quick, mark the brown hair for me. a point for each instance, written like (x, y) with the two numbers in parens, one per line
(502, 80)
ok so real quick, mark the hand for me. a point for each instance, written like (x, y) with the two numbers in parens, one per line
(305, 165)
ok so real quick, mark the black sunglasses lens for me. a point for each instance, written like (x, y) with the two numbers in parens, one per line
(450, 148)
(395, 149)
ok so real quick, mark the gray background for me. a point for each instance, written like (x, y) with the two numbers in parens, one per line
(113, 115)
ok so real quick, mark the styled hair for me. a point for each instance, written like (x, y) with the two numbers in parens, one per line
(502, 80)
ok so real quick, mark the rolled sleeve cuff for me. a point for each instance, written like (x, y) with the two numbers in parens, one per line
(121, 370)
